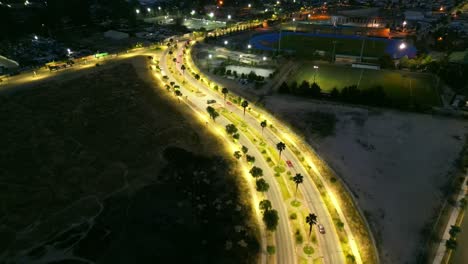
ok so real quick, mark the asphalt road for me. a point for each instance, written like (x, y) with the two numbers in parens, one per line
(285, 252)
(329, 245)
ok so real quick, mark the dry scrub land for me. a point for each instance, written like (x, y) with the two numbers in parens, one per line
(104, 169)
(395, 163)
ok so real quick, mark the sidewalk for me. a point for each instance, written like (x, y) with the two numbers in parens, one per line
(453, 218)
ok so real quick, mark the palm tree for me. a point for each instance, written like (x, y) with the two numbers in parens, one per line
(174, 60)
(178, 93)
(311, 219)
(225, 91)
(298, 179)
(263, 124)
(183, 69)
(280, 147)
(244, 105)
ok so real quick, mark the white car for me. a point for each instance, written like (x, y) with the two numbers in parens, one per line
(321, 229)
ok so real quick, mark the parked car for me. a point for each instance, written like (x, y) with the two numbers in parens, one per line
(211, 101)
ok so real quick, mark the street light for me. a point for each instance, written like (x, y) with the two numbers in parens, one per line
(211, 14)
(250, 5)
(210, 56)
(35, 37)
(229, 17)
(316, 70)
(264, 58)
(137, 11)
(249, 46)
(149, 9)
(193, 12)
(402, 46)
(226, 42)
(404, 23)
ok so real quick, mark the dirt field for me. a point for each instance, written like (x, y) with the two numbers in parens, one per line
(395, 163)
(103, 169)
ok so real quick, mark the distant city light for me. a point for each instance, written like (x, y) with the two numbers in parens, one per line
(250, 5)
(211, 14)
(402, 46)
(36, 37)
(149, 9)
(404, 23)
(159, 8)
(249, 46)
(229, 16)
(210, 56)
(316, 67)
(193, 12)
(264, 58)
(137, 11)
(226, 42)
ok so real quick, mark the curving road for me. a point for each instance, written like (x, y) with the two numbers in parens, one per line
(285, 252)
(329, 244)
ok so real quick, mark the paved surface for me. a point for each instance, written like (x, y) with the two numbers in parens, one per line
(453, 218)
(330, 247)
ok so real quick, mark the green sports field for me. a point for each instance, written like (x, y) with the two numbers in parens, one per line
(306, 45)
(401, 87)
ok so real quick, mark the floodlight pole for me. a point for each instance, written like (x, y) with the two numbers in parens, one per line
(362, 48)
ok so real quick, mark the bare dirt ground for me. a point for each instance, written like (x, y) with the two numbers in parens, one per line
(104, 168)
(395, 163)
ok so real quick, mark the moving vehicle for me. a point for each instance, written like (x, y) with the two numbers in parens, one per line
(211, 101)
(321, 229)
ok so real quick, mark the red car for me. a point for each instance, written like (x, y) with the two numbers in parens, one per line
(229, 103)
(290, 165)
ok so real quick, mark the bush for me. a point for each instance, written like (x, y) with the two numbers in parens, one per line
(298, 237)
(293, 216)
(271, 250)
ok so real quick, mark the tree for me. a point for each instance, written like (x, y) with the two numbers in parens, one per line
(454, 230)
(334, 94)
(225, 92)
(270, 218)
(231, 129)
(237, 154)
(178, 93)
(170, 52)
(265, 205)
(197, 76)
(244, 105)
(174, 60)
(212, 112)
(263, 124)
(311, 219)
(183, 69)
(262, 185)
(280, 147)
(298, 179)
(284, 89)
(451, 244)
(462, 203)
(245, 149)
(304, 87)
(315, 90)
(256, 172)
(250, 159)
(271, 250)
